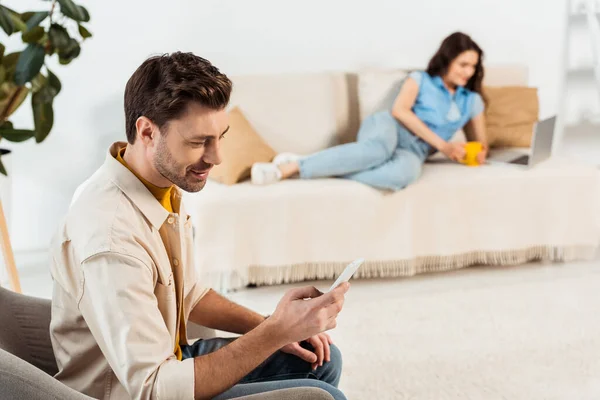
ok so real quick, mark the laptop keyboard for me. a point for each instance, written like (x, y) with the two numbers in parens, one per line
(523, 160)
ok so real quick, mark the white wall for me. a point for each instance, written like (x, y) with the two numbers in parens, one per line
(259, 36)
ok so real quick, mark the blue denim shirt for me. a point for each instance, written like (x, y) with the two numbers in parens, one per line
(441, 111)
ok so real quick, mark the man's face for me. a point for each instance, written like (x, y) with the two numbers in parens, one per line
(188, 147)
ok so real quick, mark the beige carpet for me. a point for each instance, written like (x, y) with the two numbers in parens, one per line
(528, 332)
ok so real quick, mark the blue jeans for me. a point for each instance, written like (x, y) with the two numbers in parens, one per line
(385, 156)
(280, 371)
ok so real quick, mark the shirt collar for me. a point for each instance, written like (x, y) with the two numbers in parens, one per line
(440, 83)
(134, 189)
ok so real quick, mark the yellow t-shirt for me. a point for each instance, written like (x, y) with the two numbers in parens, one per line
(165, 198)
(163, 195)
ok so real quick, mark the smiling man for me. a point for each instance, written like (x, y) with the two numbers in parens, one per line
(125, 287)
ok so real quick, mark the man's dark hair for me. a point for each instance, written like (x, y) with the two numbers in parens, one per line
(163, 86)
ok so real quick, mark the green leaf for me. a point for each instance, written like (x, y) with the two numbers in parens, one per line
(46, 93)
(18, 22)
(86, 14)
(26, 16)
(54, 82)
(6, 124)
(45, 43)
(65, 56)
(33, 19)
(43, 117)
(9, 62)
(20, 99)
(59, 37)
(11, 98)
(6, 21)
(33, 35)
(38, 82)
(6, 89)
(2, 50)
(3, 152)
(2, 169)
(16, 135)
(2, 74)
(84, 32)
(73, 11)
(30, 63)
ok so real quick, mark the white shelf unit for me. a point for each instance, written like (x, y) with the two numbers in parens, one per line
(578, 119)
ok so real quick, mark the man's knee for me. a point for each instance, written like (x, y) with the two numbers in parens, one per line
(333, 367)
(336, 356)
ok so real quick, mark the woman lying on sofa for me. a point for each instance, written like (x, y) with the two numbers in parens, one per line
(392, 145)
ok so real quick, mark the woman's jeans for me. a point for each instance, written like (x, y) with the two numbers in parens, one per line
(385, 156)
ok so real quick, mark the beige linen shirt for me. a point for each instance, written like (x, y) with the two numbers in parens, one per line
(114, 306)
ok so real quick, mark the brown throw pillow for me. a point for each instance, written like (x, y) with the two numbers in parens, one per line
(510, 115)
(240, 148)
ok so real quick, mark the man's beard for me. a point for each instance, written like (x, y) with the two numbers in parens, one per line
(168, 167)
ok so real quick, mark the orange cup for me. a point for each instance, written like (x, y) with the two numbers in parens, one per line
(473, 149)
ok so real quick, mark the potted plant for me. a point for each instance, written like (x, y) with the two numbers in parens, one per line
(59, 31)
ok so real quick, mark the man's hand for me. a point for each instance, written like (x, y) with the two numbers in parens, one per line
(302, 313)
(320, 344)
(454, 151)
(305, 312)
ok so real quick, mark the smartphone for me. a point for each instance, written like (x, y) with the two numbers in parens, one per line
(347, 274)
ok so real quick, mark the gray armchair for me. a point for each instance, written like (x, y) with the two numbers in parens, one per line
(27, 363)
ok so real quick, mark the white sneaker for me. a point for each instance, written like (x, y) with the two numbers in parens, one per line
(285, 158)
(265, 173)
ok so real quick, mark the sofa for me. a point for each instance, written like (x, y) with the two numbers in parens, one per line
(453, 217)
(27, 362)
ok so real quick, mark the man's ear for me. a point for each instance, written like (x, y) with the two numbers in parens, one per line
(146, 130)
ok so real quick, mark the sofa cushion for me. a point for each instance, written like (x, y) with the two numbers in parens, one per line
(510, 115)
(300, 113)
(241, 147)
(378, 89)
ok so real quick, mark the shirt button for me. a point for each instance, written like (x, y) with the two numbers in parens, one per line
(175, 262)
(170, 220)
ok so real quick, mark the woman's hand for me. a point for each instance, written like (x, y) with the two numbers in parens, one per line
(482, 156)
(454, 151)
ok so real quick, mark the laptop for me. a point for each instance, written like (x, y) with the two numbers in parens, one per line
(541, 147)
